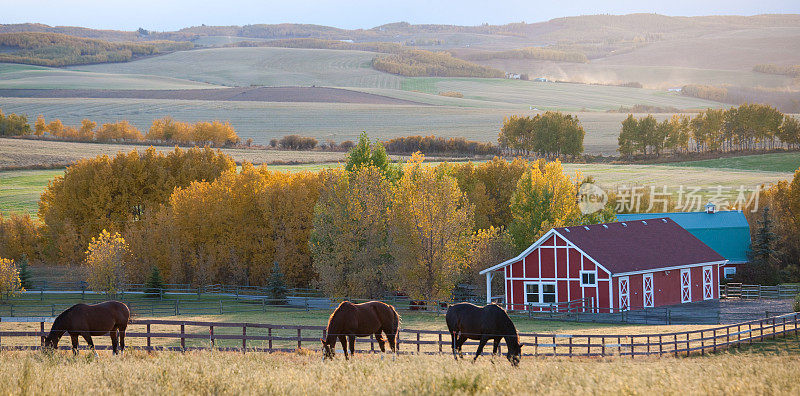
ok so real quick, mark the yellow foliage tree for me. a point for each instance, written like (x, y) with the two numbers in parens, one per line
(39, 127)
(9, 279)
(55, 127)
(106, 261)
(349, 243)
(431, 225)
(86, 132)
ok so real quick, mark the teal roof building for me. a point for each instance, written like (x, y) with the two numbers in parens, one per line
(727, 232)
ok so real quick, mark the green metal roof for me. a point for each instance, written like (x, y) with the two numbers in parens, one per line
(727, 232)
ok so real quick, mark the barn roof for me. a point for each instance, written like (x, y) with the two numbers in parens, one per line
(632, 246)
(727, 232)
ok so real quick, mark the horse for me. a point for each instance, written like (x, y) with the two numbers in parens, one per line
(110, 317)
(469, 321)
(350, 320)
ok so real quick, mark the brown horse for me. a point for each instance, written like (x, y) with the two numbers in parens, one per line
(110, 317)
(491, 322)
(350, 320)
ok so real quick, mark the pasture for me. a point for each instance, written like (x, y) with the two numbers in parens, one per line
(38, 77)
(776, 162)
(263, 121)
(748, 372)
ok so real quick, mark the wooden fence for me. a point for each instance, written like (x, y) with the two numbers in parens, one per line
(246, 337)
(752, 292)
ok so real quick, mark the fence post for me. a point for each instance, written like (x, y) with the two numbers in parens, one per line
(177, 310)
(244, 338)
(570, 347)
(52, 310)
(299, 339)
(418, 342)
(440, 342)
(148, 336)
(183, 340)
(269, 337)
(702, 343)
(715, 340)
(41, 332)
(211, 336)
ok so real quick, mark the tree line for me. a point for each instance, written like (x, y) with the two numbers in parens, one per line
(789, 70)
(421, 63)
(539, 53)
(360, 230)
(438, 145)
(163, 130)
(550, 134)
(747, 127)
(55, 49)
(785, 100)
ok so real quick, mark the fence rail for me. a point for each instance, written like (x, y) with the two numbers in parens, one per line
(197, 335)
(752, 292)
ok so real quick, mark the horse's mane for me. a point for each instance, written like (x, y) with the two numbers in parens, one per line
(58, 322)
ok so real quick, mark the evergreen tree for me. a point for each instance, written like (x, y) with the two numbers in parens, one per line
(155, 283)
(761, 268)
(276, 286)
(25, 275)
(366, 154)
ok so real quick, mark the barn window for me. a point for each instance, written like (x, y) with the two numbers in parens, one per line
(588, 278)
(540, 293)
(729, 272)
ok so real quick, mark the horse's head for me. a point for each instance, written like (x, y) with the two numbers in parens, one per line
(51, 342)
(328, 350)
(514, 350)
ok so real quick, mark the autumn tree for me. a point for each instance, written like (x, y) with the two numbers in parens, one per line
(112, 193)
(86, 132)
(488, 186)
(549, 134)
(349, 243)
(106, 260)
(9, 279)
(783, 200)
(40, 126)
(487, 247)
(370, 154)
(544, 198)
(55, 127)
(431, 223)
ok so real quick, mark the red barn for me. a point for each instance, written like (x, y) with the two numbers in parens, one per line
(610, 267)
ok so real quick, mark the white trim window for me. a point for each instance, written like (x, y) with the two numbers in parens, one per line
(540, 293)
(588, 278)
(729, 272)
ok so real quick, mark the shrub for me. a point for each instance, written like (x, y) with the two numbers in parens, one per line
(297, 142)
(9, 279)
(106, 259)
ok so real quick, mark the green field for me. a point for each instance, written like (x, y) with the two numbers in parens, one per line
(20, 190)
(36, 77)
(778, 162)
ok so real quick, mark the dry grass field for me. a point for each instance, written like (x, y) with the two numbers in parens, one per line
(204, 373)
(37, 77)
(263, 121)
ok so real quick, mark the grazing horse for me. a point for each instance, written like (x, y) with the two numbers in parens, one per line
(350, 320)
(468, 321)
(110, 317)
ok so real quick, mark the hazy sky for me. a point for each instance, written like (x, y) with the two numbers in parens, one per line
(174, 14)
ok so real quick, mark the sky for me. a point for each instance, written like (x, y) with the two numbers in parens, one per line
(168, 15)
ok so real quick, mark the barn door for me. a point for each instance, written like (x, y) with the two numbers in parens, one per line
(624, 294)
(647, 288)
(708, 283)
(686, 285)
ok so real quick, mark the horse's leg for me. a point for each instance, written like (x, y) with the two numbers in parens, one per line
(343, 340)
(392, 343)
(352, 341)
(481, 344)
(114, 340)
(74, 338)
(381, 341)
(496, 348)
(453, 345)
(460, 343)
(122, 329)
(88, 338)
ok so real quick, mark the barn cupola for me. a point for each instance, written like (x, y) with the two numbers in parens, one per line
(711, 208)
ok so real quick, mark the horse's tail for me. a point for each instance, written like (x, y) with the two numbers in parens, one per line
(396, 321)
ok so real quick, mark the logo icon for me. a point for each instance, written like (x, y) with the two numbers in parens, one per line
(591, 198)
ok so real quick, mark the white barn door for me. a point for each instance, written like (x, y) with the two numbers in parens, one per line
(708, 283)
(686, 285)
(647, 288)
(624, 294)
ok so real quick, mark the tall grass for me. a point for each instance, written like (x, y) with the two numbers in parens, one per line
(305, 373)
